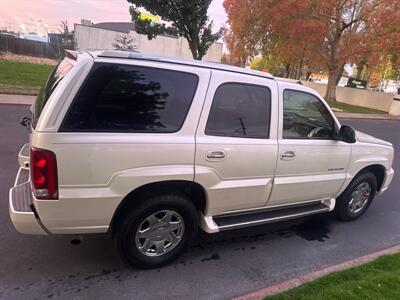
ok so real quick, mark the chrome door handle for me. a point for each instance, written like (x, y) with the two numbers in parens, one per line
(216, 154)
(288, 155)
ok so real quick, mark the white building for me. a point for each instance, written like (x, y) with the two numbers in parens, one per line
(103, 35)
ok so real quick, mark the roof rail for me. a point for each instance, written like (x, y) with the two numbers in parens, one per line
(129, 54)
(289, 80)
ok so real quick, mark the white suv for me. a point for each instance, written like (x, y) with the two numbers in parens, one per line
(150, 148)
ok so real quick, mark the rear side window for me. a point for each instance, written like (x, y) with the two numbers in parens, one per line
(45, 92)
(123, 98)
(240, 110)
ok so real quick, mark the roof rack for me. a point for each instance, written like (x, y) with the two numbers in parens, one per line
(188, 62)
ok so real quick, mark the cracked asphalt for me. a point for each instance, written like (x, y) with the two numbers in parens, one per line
(217, 266)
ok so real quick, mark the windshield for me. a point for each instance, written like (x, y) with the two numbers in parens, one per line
(45, 92)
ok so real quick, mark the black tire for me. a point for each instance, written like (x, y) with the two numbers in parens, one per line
(342, 209)
(125, 231)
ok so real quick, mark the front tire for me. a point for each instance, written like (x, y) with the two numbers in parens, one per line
(356, 198)
(157, 231)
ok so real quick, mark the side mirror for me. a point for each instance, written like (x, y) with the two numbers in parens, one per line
(347, 134)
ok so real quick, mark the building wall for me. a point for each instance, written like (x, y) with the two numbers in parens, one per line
(366, 98)
(89, 38)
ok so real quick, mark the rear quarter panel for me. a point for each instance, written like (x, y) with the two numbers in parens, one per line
(97, 170)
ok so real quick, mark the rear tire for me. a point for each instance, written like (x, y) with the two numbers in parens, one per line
(356, 198)
(157, 231)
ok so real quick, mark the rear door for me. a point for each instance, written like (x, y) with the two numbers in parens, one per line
(236, 142)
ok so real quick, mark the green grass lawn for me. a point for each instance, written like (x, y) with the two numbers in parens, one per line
(379, 279)
(354, 109)
(22, 78)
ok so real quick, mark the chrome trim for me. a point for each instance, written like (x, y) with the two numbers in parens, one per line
(270, 220)
(216, 154)
(272, 207)
(159, 233)
(288, 155)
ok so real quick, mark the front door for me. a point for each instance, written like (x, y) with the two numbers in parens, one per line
(236, 142)
(312, 164)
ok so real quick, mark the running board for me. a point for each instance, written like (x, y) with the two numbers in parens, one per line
(231, 221)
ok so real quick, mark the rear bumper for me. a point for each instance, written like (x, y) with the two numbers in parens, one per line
(23, 156)
(21, 204)
(387, 180)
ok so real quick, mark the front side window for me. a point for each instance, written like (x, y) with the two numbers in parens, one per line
(305, 117)
(123, 98)
(240, 110)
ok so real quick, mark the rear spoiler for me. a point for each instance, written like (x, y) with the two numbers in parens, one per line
(71, 54)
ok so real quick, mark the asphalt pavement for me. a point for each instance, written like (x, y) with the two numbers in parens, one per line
(218, 266)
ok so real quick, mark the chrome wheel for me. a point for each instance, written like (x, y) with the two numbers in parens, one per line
(159, 233)
(359, 197)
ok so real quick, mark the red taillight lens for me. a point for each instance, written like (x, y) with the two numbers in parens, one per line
(44, 174)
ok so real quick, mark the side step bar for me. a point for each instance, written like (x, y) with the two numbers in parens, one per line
(231, 221)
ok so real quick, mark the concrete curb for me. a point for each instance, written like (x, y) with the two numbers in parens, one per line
(342, 115)
(16, 99)
(295, 282)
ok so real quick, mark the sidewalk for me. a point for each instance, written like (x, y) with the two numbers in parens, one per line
(16, 99)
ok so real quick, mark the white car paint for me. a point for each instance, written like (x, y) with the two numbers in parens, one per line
(96, 171)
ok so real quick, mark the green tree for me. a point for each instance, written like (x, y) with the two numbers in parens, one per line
(124, 41)
(186, 18)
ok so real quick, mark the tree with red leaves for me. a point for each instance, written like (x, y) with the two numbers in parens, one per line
(240, 38)
(327, 33)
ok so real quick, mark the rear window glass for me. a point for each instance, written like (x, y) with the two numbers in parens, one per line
(123, 98)
(45, 92)
(240, 110)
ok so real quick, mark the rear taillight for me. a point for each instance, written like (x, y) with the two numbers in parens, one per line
(44, 174)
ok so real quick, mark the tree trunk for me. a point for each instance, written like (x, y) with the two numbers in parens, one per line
(194, 49)
(292, 68)
(341, 69)
(243, 61)
(334, 77)
(287, 70)
(360, 69)
(300, 67)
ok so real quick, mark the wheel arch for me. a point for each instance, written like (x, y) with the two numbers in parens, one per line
(378, 171)
(194, 191)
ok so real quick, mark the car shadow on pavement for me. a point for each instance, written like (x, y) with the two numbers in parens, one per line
(67, 269)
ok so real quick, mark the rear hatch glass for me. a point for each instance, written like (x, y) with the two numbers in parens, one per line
(45, 92)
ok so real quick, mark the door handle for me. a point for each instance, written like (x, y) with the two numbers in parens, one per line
(288, 155)
(216, 154)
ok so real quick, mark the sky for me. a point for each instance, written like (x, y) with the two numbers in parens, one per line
(39, 15)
